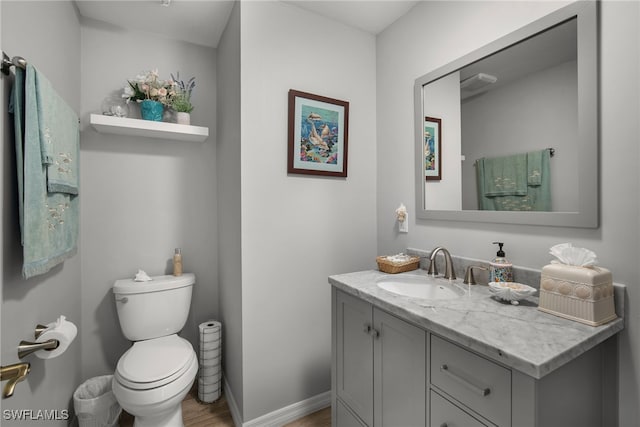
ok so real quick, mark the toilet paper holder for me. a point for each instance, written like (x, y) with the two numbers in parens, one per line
(25, 348)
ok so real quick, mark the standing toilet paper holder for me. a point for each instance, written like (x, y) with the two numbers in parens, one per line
(26, 347)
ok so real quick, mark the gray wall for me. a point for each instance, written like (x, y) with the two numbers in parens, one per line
(143, 197)
(47, 35)
(229, 205)
(410, 49)
(297, 230)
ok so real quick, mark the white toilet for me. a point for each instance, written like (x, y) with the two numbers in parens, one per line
(156, 373)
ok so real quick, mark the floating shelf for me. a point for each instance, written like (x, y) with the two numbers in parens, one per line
(147, 128)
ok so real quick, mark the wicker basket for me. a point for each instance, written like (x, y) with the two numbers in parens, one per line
(393, 267)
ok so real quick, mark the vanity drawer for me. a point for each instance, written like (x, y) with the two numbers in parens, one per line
(476, 382)
(445, 413)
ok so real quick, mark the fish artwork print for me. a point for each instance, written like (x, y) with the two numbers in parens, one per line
(319, 135)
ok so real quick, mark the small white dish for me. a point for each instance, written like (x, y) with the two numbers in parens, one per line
(511, 291)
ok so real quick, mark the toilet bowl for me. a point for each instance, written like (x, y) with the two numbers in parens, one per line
(153, 377)
(156, 373)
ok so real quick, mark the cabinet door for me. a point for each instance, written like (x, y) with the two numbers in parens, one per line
(344, 417)
(354, 355)
(399, 372)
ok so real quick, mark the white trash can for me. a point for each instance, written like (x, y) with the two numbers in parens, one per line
(95, 404)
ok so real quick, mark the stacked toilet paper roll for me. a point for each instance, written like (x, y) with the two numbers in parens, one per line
(210, 375)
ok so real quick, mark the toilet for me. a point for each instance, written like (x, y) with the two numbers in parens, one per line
(156, 373)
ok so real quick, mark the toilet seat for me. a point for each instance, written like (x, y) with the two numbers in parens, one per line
(154, 363)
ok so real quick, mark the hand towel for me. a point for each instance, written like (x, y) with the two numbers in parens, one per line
(534, 172)
(59, 137)
(48, 220)
(16, 107)
(505, 176)
(534, 167)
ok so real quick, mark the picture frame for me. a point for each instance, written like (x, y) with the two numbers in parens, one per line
(432, 149)
(318, 135)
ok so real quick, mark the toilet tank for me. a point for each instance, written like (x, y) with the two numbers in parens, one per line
(155, 308)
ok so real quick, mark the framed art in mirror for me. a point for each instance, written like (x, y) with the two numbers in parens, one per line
(318, 135)
(432, 149)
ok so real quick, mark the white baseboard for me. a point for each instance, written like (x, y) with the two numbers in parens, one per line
(233, 406)
(281, 416)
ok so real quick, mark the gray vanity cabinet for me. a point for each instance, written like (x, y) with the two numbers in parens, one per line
(380, 367)
(388, 372)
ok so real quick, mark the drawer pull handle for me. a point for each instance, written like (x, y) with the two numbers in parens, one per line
(481, 391)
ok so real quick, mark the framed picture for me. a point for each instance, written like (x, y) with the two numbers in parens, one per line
(318, 134)
(432, 149)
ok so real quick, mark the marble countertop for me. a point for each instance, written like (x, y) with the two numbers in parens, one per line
(518, 336)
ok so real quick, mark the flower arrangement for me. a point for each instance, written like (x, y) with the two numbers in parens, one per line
(149, 86)
(181, 102)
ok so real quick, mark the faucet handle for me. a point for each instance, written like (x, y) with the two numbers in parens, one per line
(468, 275)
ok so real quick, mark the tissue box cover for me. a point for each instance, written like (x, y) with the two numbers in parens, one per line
(583, 294)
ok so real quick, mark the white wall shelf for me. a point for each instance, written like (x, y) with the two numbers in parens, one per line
(147, 128)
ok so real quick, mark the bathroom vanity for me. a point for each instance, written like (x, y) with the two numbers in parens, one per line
(465, 361)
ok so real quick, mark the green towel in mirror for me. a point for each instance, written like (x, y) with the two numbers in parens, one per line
(531, 168)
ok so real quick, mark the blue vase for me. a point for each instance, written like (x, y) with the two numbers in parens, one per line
(151, 110)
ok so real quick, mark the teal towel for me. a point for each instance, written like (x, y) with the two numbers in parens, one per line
(537, 177)
(48, 220)
(535, 166)
(16, 107)
(59, 137)
(505, 176)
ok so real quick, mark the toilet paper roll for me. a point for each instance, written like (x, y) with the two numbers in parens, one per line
(210, 380)
(209, 357)
(207, 371)
(209, 346)
(63, 331)
(210, 326)
(210, 338)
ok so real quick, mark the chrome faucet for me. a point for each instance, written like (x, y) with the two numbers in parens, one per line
(448, 263)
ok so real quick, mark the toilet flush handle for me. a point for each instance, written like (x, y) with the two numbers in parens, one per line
(122, 300)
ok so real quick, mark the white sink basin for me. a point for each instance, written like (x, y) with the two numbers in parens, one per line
(423, 287)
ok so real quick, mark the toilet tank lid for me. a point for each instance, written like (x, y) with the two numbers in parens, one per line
(158, 283)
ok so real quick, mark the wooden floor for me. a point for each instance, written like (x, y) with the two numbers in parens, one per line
(217, 414)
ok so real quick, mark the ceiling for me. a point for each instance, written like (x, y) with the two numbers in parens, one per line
(203, 21)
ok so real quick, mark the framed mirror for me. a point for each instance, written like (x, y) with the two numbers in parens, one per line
(510, 131)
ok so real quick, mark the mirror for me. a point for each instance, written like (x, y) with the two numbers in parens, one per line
(509, 132)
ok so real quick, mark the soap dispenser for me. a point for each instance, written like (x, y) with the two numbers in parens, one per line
(499, 268)
(177, 262)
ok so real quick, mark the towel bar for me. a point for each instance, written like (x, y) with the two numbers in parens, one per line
(16, 61)
(552, 152)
